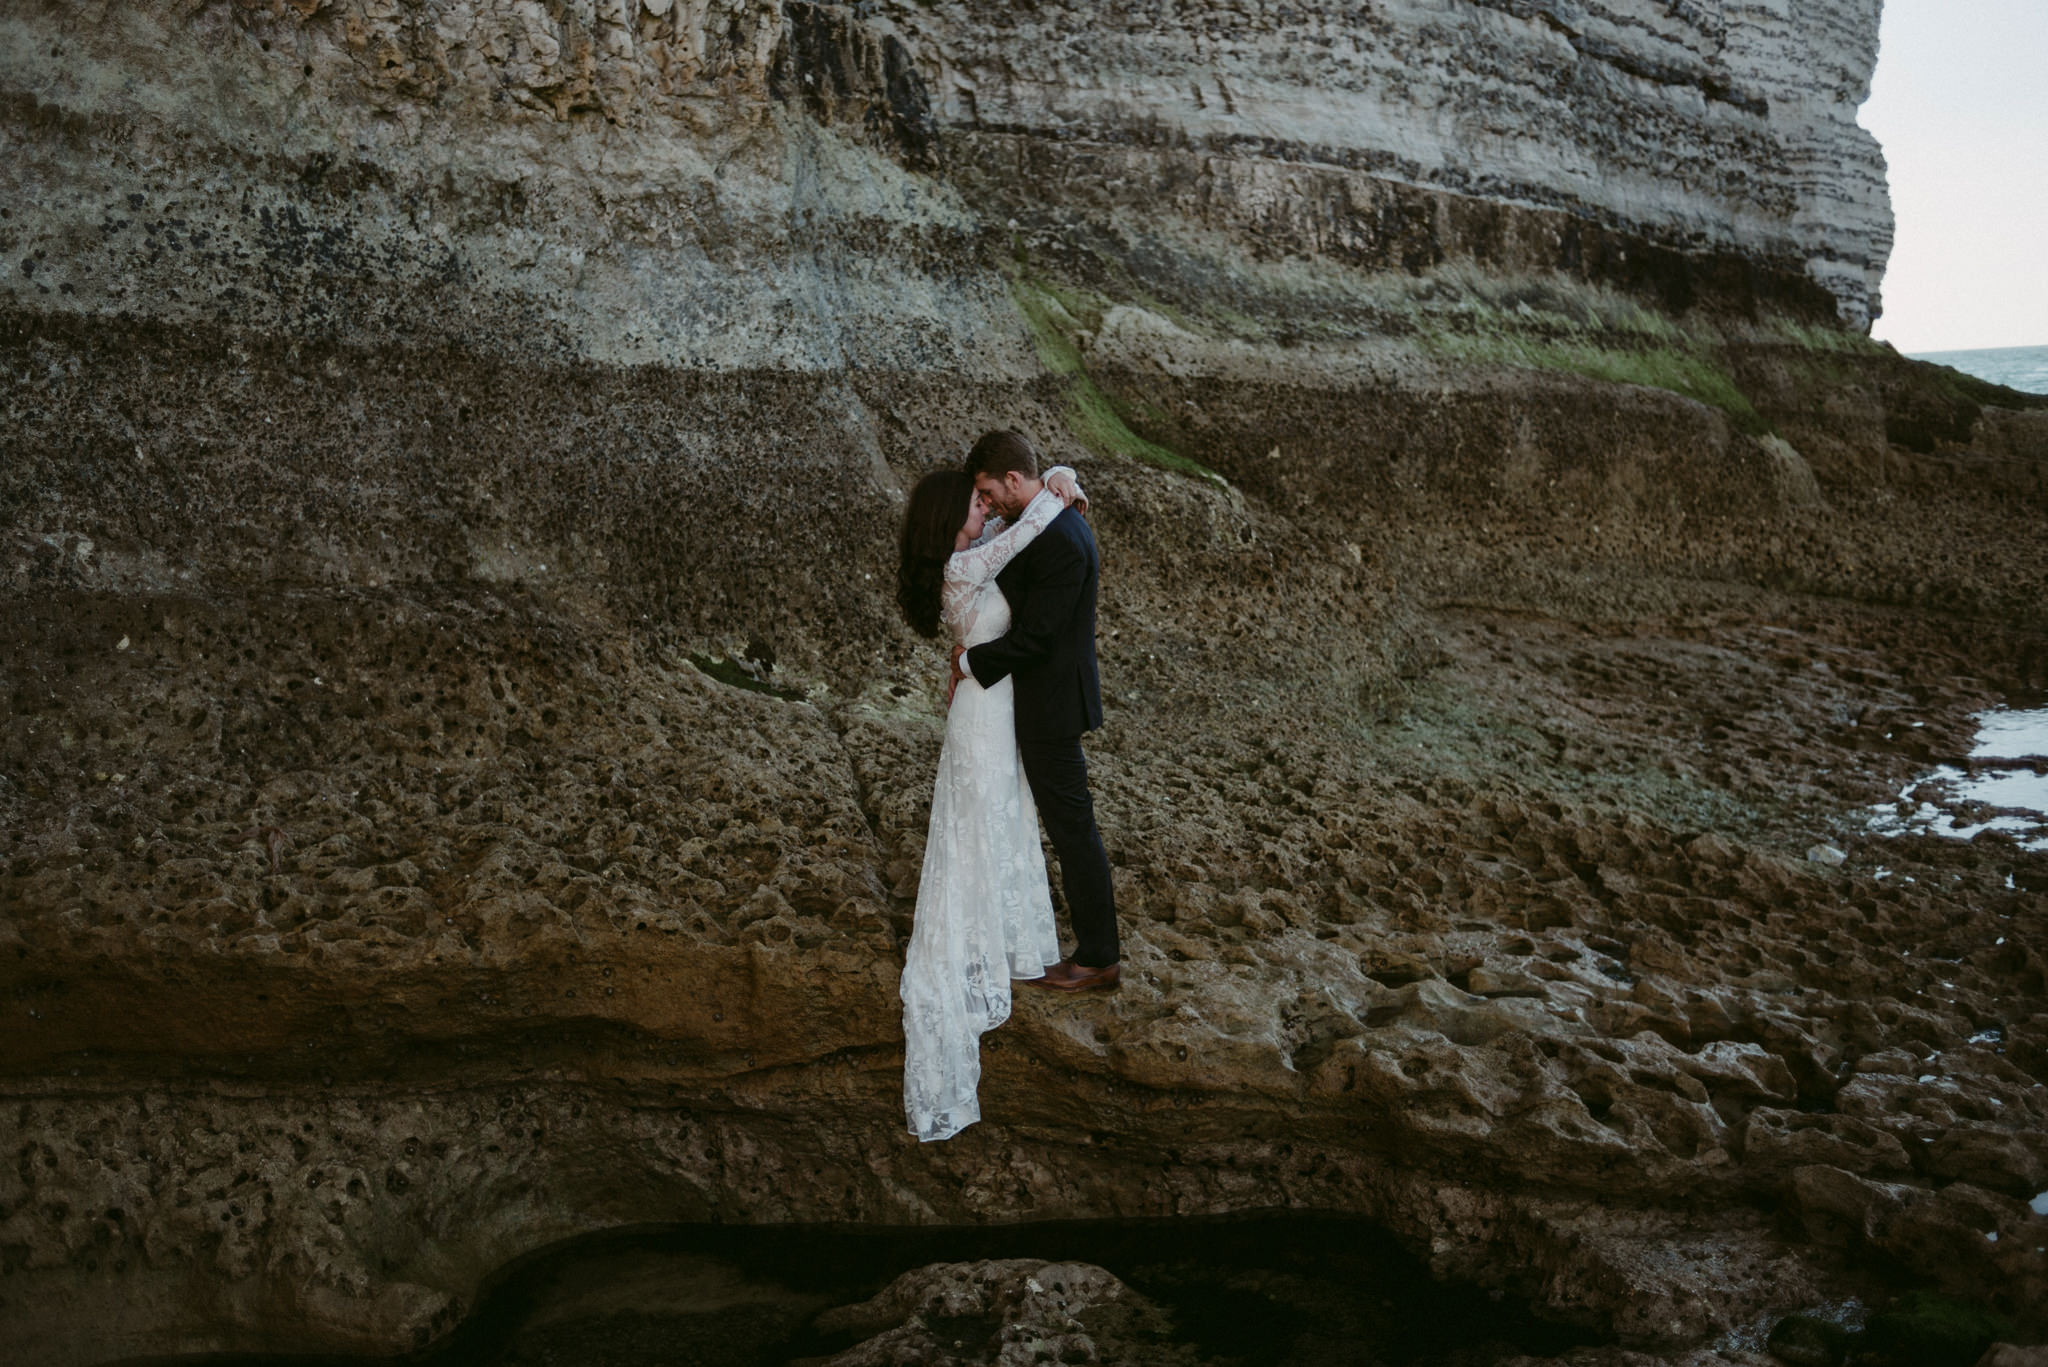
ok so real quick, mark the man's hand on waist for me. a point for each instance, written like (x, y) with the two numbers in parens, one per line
(959, 673)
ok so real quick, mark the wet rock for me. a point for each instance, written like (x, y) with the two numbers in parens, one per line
(2014, 1355)
(1839, 1205)
(1806, 1341)
(1791, 1139)
(1997, 1159)
(1926, 1330)
(1013, 1312)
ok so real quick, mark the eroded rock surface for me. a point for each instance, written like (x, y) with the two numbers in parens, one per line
(462, 782)
(1019, 1310)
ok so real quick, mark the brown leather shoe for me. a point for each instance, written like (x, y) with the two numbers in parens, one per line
(1068, 976)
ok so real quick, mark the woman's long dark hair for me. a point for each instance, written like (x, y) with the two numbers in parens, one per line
(937, 512)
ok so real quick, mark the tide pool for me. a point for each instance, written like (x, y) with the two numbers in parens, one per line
(2002, 786)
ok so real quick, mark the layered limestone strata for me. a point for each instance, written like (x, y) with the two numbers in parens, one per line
(464, 780)
(623, 183)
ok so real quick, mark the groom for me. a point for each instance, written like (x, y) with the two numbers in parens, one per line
(1050, 651)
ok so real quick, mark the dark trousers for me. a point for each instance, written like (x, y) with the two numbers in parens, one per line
(1058, 775)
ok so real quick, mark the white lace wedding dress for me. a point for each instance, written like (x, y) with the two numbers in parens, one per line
(984, 913)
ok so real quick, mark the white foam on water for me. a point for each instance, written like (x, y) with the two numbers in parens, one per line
(2009, 788)
(2006, 734)
(1966, 802)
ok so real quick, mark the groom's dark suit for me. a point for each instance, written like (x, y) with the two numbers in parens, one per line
(1049, 651)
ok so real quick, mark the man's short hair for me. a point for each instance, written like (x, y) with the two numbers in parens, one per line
(999, 453)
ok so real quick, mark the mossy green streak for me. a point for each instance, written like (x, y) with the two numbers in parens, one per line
(1655, 366)
(1055, 315)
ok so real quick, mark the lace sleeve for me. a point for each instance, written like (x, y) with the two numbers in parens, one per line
(982, 562)
(994, 527)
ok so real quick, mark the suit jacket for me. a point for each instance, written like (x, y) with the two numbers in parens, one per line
(1050, 646)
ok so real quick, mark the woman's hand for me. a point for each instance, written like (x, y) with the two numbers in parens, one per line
(1066, 488)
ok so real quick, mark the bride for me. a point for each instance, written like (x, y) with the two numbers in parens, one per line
(984, 911)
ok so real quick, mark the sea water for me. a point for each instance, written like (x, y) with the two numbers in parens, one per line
(2001, 786)
(2016, 367)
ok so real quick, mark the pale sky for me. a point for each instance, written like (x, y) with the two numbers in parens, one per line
(1960, 103)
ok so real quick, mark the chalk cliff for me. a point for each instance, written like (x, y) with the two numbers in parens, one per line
(809, 186)
(462, 780)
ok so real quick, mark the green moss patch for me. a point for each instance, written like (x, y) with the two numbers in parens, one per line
(735, 675)
(1657, 367)
(1815, 337)
(1056, 316)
